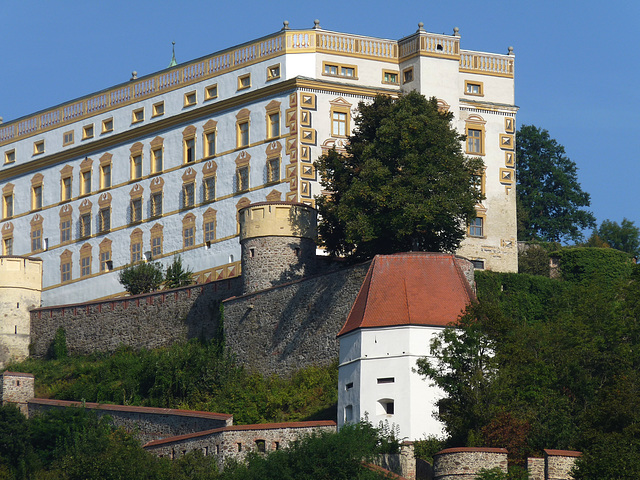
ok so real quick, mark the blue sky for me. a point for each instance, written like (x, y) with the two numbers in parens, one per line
(577, 63)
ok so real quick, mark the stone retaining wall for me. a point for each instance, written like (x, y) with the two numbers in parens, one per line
(142, 321)
(464, 463)
(236, 442)
(288, 327)
(147, 424)
(558, 464)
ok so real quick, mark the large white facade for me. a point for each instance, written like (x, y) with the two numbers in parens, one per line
(159, 166)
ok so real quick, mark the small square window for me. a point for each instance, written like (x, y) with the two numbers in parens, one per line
(407, 75)
(38, 147)
(330, 69)
(107, 125)
(190, 99)
(478, 264)
(273, 72)
(158, 109)
(244, 81)
(67, 138)
(349, 72)
(473, 88)
(137, 115)
(389, 77)
(10, 156)
(211, 92)
(87, 132)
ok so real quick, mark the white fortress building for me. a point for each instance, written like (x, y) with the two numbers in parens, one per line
(160, 165)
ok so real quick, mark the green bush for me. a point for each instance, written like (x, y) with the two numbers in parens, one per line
(141, 277)
(176, 275)
(582, 265)
(58, 347)
(534, 260)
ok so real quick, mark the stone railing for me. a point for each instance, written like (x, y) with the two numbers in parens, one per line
(285, 41)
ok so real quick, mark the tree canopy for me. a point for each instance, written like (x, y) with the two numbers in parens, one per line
(549, 197)
(624, 236)
(403, 183)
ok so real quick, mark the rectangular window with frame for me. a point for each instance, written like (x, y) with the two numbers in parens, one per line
(66, 189)
(474, 141)
(10, 156)
(85, 266)
(7, 245)
(211, 92)
(107, 125)
(273, 170)
(210, 144)
(210, 231)
(188, 237)
(85, 225)
(104, 220)
(36, 239)
(156, 204)
(158, 109)
(339, 124)
(189, 150)
(136, 210)
(7, 205)
(105, 261)
(473, 88)
(243, 134)
(136, 252)
(274, 125)
(86, 182)
(156, 160)
(87, 131)
(38, 147)
(476, 227)
(390, 76)
(105, 176)
(242, 179)
(273, 72)
(156, 246)
(36, 201)
(188, 195)
(137, 115)
(244, 81)
(65, 230)
(136, 167)
(339, 70)
(407, 75)
(67, 138)
(65, 270)
(209, 186)
(190, 99)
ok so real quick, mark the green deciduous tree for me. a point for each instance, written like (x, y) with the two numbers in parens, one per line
(549, 197)
(402, 185)
(141, 277)
(624, 236)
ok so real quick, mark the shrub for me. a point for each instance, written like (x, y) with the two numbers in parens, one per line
(58, 349)
(141, 278)
(534, 260)
(177, 275)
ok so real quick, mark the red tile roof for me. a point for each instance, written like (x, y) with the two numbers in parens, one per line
(414, 288)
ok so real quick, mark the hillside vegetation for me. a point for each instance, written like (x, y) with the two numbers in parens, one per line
(194, 376)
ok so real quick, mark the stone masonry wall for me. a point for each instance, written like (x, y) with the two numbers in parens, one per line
(558, 464)
(237, 442)
(535, 467)
(17, 388)
(464, 463)
(146, 424)
(292, 326)
(150, 320)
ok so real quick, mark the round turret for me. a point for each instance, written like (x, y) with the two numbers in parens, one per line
(278, 243)
(20, 290)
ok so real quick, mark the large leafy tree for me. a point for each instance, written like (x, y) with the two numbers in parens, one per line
(403, 184)
(549, 197)
(624, 236)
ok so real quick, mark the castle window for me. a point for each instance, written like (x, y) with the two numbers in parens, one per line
(7, 205)
(36, 238)
(65, 191)
(65, 266)
(136, 167)
(158, 109)
(209, 225)
(137, 115)
(156, 204)
(136, 210)
(209, 185)
(386, 380)
(85, 225)
(10, 156)
(252, 252)
(85, 266)
(348, 386)
(7, 246)
(273, 170)
(136, 246)
(261, 446)
(188, 195)
(36, 197)
(107, 125)
(188, 230)
(87, 132)
(407, 75)
(390, 76)
(188, 237)
(65, 230)
(156, 240)
(105, 255)
(243, 134)
(474, 141)
(239, 447)
(476, 227)
(244, 81)
(274, 125)
(385, 407)
(105, 176)
(190, 99)
(473, 88)
(339, 124)
(156, 160)
(211, 92)
(478, 264)
(242, 178)
(334, 70)
(348, 414)
(38, 147)
(189, 150)
(330, 69)
(67, 138)
(104, 219)
(210, 144)
(273, 72)
(86, 183)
